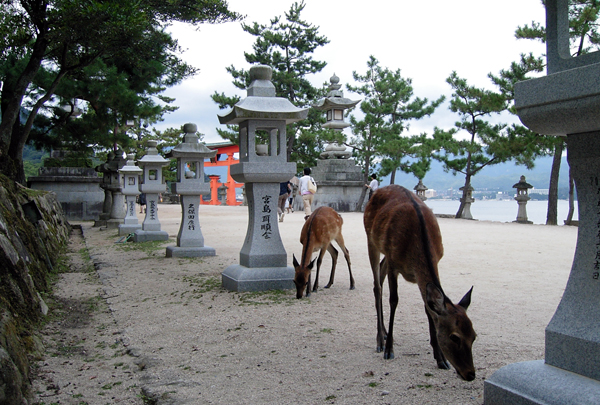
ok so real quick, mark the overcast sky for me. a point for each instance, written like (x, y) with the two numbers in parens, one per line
(427, 40)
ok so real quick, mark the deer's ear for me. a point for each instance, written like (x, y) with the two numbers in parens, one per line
(435, 299)
(466, 300)
(310, 266)
(294, 261)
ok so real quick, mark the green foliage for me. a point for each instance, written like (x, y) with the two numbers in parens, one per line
(474, 143)
(287, 47)
(115, 55)
(388, 105)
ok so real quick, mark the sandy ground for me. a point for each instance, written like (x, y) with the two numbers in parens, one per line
(132, 326)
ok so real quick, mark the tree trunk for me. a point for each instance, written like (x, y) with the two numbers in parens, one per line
(569, 219)
(363, 194)
(552, 215)
(393, 177)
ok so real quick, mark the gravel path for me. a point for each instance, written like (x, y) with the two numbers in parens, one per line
(131, 326)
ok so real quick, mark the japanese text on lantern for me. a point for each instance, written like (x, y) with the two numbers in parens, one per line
(596, 273)
(131, 205)
(191, 215)
(266, 217)
(152, 209)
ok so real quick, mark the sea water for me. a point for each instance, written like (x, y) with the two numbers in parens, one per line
(504, 210)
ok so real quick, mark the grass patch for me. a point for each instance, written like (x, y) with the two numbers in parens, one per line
(286, 297)
(149, 247)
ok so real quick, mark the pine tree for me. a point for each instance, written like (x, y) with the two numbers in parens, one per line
(388, 105)
(287, 47)
(485, 143)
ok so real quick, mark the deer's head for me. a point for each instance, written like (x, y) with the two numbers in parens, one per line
(302, 277)
(454, 329)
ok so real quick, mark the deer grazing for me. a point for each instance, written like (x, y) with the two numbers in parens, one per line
(320, 229)
(402, 228)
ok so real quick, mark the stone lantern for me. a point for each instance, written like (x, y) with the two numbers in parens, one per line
(130, 174)
(113, 208)
(263, 259)
(420, 190)
(565, 102)
(152, 184)
(522, 197)
(334, 105)
(341, 181)
(190, 185)
(468, 200)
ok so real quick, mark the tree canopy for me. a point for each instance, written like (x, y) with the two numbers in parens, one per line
(388, 106)
(286, 45)
(56, 50)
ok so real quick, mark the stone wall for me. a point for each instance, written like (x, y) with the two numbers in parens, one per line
(28, 254)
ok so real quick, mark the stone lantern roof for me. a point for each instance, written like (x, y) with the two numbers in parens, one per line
(522, 184)
(152, 157)
(335, 97)
(261, 103)
(191, 147)
(130, 167)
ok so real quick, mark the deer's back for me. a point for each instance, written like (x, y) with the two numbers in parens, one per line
(321, 227)
(401, 227)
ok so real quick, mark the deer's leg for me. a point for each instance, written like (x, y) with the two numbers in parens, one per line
(374, 260)
(437, 352)
(340, 242)
(308, 285)
(319, 260)
(389, 342)
(334, 255)
(383, 271)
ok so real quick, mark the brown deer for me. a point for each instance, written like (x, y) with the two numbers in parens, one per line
(402, 228)
(320, 229)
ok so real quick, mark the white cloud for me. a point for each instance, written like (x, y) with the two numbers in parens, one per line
(426, 40)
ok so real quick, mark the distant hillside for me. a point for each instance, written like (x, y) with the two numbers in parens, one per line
(501, 176)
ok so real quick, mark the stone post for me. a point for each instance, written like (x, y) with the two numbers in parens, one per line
(190, 186)
(522, 197)
(223, 194)
(131, 189)
(566, 101)
(152, 184)
(263, 259)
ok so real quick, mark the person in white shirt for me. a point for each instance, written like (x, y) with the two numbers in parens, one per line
(373, 185)
(307, 196)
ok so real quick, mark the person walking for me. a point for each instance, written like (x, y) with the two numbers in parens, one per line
(284, 192)
(307, 196)
(373, 185)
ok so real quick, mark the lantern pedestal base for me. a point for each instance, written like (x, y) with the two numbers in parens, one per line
(145, 236)
(177, 251)
(240, 278)
(535, 382)
(126, 229)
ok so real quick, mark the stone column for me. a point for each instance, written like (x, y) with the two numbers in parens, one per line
(566, 101)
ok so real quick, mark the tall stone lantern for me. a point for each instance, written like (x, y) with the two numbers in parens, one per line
(152, 184)
(190, 185)
(334, 105)
(130, 175)
(522, 197)
(263, 259)
(565, 102)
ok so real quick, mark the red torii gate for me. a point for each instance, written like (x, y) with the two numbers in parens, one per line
(228, 149)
